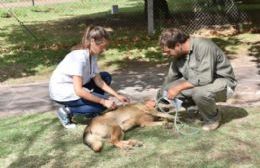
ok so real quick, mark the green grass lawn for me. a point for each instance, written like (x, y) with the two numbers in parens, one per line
(58, 27)
(38, 140)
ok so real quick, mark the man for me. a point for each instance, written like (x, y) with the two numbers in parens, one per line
(200, 74)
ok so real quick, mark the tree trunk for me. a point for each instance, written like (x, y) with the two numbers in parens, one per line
(160, 6)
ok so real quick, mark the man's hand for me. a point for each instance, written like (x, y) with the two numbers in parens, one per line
(173, 92)
(109, 104)
(150, 104)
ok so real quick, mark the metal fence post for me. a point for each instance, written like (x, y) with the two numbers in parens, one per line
(150, 17)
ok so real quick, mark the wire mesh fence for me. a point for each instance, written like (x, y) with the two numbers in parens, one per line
(196, 14)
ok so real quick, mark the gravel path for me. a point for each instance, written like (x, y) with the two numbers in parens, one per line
(138, 82)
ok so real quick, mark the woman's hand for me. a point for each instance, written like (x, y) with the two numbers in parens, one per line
(123, 99)
(150, 104)
(109, 104)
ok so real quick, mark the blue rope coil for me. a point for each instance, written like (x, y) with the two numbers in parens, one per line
(178, 124)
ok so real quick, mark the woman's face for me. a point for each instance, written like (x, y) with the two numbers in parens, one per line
(98, 48)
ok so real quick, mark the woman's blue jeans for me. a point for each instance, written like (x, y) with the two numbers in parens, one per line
(88, 108)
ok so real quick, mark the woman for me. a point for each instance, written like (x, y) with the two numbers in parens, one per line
(76, 82)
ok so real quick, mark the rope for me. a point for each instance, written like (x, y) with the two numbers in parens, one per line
(178, 124)
(19, 21)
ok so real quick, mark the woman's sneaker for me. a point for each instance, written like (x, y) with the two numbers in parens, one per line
(63, 115)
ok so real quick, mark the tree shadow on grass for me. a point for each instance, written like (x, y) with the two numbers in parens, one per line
(138, 74)
(30, 161)
(55, 38)
(230, 113)
(254, 51)
(33, 160)
(230, 42)
(50, 134)
(66, 152)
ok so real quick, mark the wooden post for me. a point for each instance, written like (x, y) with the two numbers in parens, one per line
(150, 17)
(114, 9)
(33, 3)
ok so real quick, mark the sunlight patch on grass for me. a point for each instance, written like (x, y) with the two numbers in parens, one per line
(238, 45)
(248, 38)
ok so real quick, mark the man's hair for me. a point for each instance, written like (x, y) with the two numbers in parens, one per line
(171, 36)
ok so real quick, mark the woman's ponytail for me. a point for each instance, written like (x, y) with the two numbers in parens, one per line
(97, 33)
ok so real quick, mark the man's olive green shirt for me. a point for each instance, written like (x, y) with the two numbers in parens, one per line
(204, 63)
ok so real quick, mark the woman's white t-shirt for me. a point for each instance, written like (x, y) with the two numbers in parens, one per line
(77, 62)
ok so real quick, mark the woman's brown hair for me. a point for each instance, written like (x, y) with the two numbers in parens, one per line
(97, 33)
